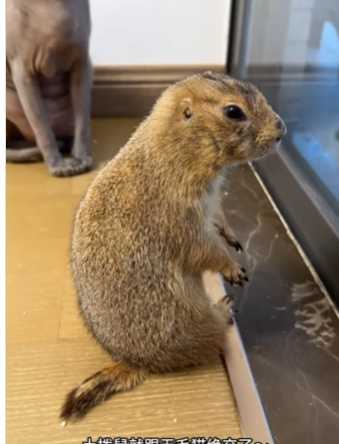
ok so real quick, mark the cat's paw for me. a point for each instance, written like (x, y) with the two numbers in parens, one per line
(70, 166)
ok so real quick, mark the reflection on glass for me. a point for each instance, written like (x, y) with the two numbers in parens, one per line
(295, 46)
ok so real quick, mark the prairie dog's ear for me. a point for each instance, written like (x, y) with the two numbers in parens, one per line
(186, 107)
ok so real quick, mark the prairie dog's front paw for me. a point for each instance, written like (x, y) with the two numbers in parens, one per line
(231, 240)
(235, 274)
(226, 305)
(226, 302)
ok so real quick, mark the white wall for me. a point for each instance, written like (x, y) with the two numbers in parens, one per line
(159, 32)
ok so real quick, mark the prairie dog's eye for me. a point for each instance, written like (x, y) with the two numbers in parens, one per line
(234, 112)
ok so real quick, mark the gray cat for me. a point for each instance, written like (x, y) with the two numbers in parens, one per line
(48, 82)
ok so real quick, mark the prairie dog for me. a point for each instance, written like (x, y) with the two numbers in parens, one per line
(151, 223)
(48, 83)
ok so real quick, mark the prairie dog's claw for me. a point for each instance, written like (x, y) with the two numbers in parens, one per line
(235, 274)
(236, 245)
(231, 240)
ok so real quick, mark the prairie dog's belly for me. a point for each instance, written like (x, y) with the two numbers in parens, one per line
(56, 94)
(211, 204)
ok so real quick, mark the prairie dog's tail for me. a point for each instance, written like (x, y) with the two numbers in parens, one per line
(99, 387)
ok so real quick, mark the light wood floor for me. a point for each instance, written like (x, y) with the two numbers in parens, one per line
(48, 349)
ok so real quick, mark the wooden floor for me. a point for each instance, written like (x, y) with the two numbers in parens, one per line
(48, 349)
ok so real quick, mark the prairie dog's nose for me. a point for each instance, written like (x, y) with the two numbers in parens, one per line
(281, 127)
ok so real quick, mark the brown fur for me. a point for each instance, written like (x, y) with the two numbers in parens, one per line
(150, 225)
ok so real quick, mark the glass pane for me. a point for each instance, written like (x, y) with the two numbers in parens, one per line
(294, 50)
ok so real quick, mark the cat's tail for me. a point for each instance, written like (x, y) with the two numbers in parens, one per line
(23, 155)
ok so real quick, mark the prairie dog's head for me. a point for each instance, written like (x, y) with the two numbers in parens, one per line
(232, 115)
